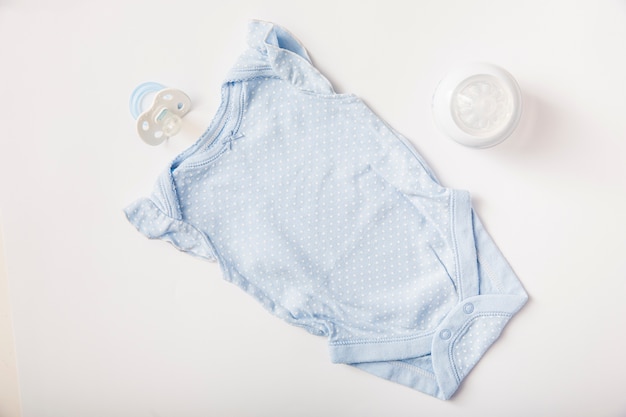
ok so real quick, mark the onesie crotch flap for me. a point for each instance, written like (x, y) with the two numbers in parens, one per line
(436, 362)
(464, 336)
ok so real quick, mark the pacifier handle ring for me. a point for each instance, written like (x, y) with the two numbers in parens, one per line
(139, 93)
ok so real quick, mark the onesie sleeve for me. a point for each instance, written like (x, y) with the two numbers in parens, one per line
(150, 218)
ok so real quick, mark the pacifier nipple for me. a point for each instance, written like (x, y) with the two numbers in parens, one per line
(478, 106)
(164, 117)
(171, 124)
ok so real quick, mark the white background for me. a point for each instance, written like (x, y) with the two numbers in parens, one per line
(108, 323)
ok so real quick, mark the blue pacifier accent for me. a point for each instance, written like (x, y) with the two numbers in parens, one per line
(163, 119)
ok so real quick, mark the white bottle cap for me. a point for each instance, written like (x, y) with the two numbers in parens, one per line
(478, 106)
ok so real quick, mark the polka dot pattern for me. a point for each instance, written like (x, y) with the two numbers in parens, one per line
(315, 218)
(330, 219)
(315, 206)
(471, 346)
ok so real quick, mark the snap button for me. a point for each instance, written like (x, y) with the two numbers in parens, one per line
(445, 334)
(468, 308)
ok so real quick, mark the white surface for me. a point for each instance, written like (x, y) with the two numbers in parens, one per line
(9, 387)
(108, 323)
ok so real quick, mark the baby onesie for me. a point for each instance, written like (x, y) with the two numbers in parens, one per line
(313, 205)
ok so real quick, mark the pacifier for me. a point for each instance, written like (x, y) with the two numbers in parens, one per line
(163, 119)
(479, 105)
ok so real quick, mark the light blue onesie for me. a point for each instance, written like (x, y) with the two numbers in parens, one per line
(328, 217)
